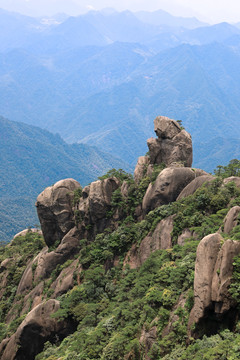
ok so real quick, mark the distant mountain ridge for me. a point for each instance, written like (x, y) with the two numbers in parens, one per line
(163, 17)
(106, 94)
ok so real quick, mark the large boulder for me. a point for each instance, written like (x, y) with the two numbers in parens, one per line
(100, 196)
(234, 179)
(54, 207)
(141, 168)
(168, 185)
(194, 185)
(173, 144)
(94, 205)
(207, 253)
(48, 261)
(231, 219)
(36, 328)
(213, 272)
(222, 276)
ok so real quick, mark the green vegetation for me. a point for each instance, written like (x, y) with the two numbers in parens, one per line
(232, 169)
(116, 306)
(113, 305)
(17, 255)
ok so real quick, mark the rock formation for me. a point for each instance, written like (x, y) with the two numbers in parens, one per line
(71, 216)
(159, 239)
(168, 185)
(54, 207)
(94, 205)
(173, 147)
(194, 185)
(231, 219)
(35, 329)
(213, 272)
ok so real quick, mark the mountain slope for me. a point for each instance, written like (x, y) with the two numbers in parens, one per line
(113, 278)
(32, 158)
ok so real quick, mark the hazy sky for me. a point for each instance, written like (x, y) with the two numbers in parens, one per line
(211, 10)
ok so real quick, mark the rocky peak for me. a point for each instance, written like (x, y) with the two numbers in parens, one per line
(173, 144)
(172, 147)
(166, 128)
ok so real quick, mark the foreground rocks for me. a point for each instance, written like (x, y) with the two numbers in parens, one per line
(34, 331)
(213, 273)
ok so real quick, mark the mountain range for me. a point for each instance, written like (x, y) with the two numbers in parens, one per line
(100, 78)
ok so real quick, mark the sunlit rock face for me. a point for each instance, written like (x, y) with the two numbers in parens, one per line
(35, 329)
(168, 185)
(54, 208)
(213, 273)
(173, 144)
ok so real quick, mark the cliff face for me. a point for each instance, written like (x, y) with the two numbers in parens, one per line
(118, 261)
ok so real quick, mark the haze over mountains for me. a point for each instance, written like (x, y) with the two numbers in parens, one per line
(101, 78)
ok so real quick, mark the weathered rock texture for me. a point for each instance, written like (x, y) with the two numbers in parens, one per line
(45, 262)
(36, 328)
(94, 205)
(213, 271)
(147, 340)
(24, 232)
(168, 185)
(141, 168)
(231, 220)
(194, 185)
(173, 144)
(222, 276)
(234, 179)
(159, 239)
(186, 234)
(54, 207)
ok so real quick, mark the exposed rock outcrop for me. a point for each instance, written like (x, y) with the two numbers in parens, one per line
(173, 144)
(194, 185)
(160, 239)
(147, 339)
(47, 262)
(35, 329)
(173, 148)
(141, 168)
(207, 253)
(94, 205)
(168, 185)
(25, 231)
(234, 179)
(222, 276)
(185, 235)
(54, 207)
(65, 279)
(231, 219)
(213, 272)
